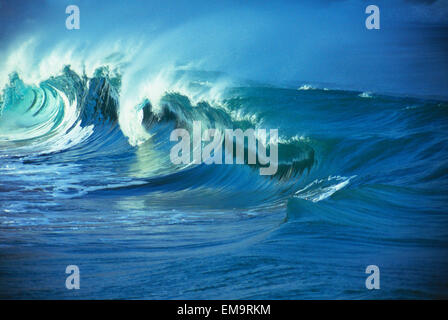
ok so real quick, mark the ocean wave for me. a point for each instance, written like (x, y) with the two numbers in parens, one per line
(306, 87)
(321, 189)
(84, 115)
(114, 113)
(366, 94)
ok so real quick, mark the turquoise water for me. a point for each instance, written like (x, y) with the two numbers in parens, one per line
(86, 179)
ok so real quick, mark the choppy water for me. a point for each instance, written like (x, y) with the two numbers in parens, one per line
(86, 179)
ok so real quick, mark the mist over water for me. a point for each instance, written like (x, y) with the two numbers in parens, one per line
(323, 41)
(85, 170)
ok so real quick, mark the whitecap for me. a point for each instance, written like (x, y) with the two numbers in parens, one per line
(321, 189)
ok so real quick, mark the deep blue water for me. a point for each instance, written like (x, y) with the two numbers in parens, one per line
(86, 179)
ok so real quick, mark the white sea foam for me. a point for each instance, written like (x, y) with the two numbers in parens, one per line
(365, 95)
(306, 87)
(321, 189)
(296, 138)
(146, 73)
